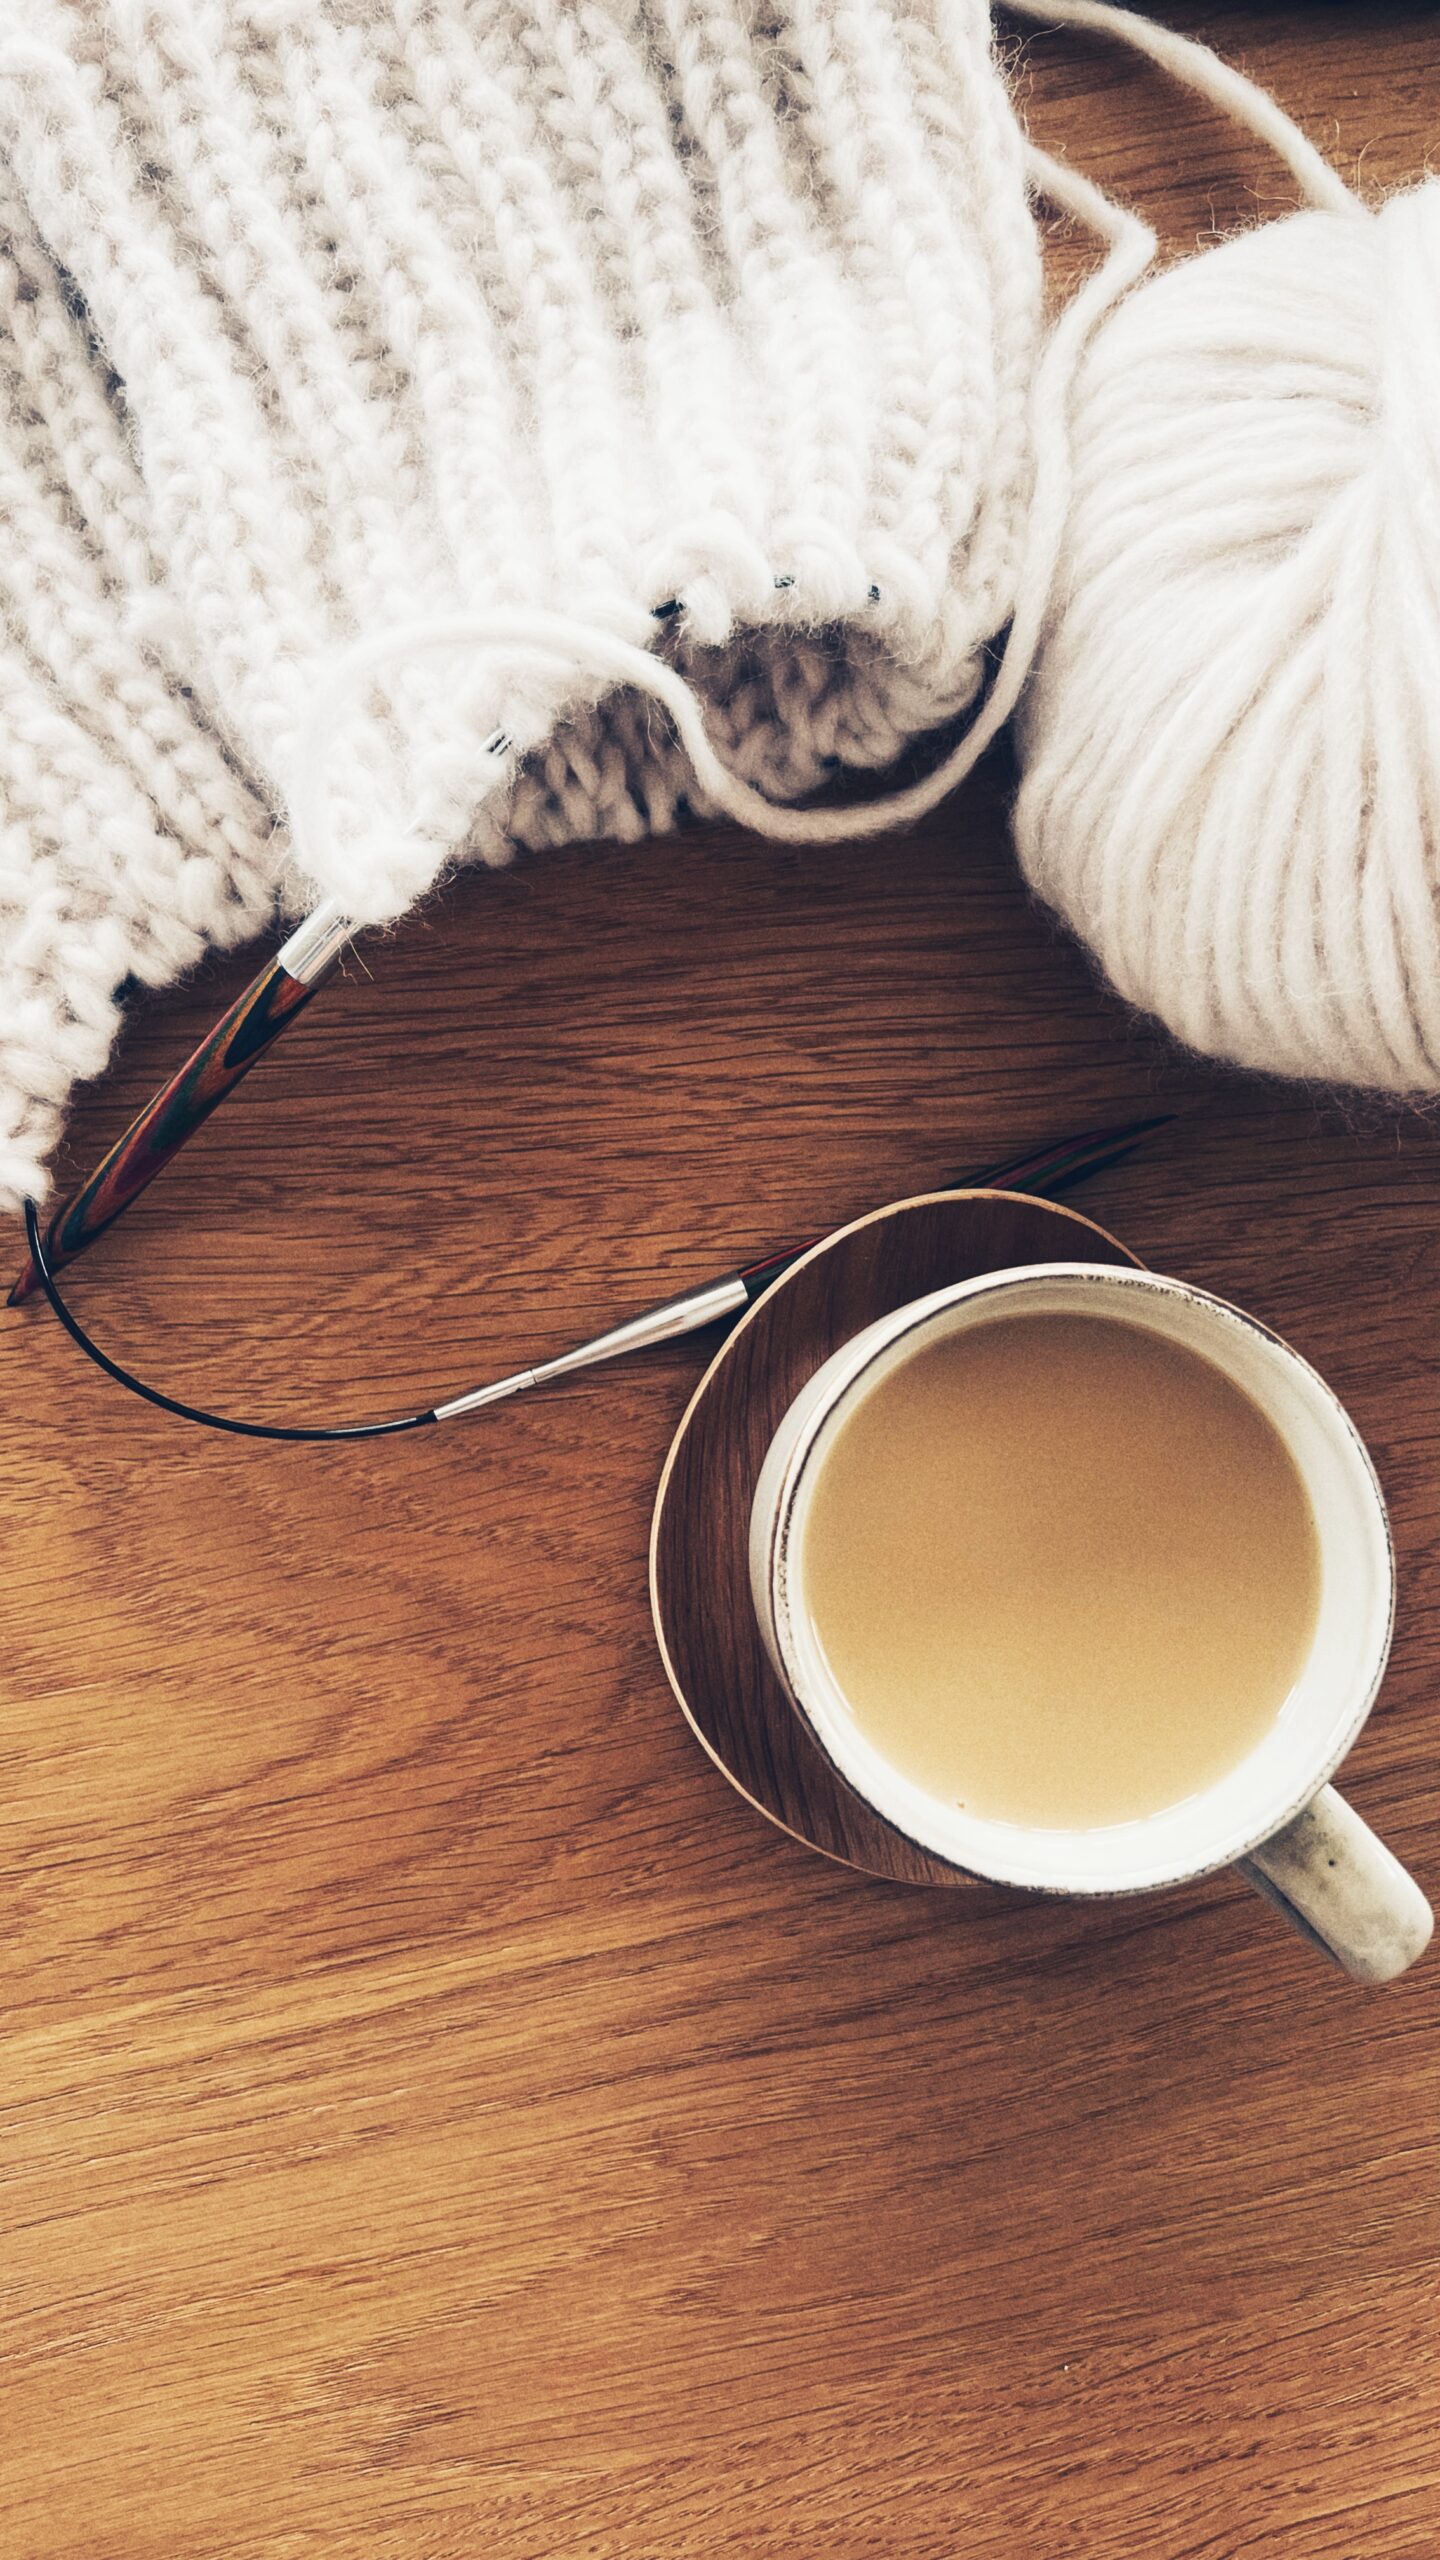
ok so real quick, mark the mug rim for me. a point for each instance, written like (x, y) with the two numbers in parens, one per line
(846, 1374)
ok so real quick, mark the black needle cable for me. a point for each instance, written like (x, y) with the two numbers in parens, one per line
(124, 1377)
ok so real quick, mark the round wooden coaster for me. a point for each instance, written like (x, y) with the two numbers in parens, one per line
(699, 1570)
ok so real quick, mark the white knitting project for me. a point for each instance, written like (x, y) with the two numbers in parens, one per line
(706, 326)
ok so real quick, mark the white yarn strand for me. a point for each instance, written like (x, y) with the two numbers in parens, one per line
(1195, 67)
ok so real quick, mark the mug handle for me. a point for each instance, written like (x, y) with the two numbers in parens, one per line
(1329, 1876)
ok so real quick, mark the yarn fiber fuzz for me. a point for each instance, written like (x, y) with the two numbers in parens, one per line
(1231, 741)
(712, 328)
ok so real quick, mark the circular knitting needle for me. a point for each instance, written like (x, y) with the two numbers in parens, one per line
(1043, 1171)
(283, 988)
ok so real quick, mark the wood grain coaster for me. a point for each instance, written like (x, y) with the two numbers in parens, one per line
(699, 1570)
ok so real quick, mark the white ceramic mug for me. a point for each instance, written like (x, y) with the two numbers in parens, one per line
(1274, 1815)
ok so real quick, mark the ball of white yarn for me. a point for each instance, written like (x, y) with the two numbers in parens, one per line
(1231, 745)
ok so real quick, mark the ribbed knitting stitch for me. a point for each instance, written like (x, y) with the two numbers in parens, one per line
(709, 324)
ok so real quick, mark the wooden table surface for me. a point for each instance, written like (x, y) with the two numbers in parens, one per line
(438, 2117)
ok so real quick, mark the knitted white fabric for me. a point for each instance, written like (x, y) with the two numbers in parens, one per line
(323, 320)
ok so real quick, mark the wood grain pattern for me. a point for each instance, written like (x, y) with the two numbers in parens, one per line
(699, 1542)
(222, 1059)
(438, 2118)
